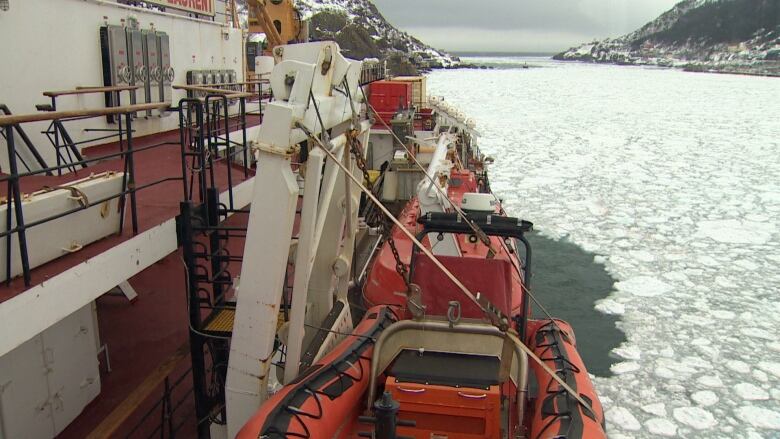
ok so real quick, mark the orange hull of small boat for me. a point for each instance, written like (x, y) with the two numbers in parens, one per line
(326, 396)
(555, 413)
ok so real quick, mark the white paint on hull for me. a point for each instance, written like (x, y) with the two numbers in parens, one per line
(55, 45)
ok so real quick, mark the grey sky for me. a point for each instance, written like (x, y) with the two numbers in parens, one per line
(518, 25)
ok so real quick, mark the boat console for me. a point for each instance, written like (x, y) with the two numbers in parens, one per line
(448, 379)
(491, 277)
(447, 394)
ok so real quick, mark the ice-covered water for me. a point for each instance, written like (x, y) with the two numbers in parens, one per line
(673, 180)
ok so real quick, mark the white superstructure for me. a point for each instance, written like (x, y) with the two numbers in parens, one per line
(51, 45)
(49, 342)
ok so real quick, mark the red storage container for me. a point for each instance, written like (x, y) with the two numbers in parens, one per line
(447, 412)
(387, 96)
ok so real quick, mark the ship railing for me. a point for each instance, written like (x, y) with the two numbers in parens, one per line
(11, 126)
(169, 415)
(160, 406)
(255, 91)
(205, 127)
(58, 135)
(372, 71)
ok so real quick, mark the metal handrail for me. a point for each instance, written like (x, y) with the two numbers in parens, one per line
(14, 201)
(167, 407)
(58, 115)
(10, 124)
(90, 90)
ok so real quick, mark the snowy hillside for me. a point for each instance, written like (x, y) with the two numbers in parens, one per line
(362, 31)
(665, 20)
(740, 36)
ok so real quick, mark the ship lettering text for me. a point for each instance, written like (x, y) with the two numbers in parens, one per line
(202, 7)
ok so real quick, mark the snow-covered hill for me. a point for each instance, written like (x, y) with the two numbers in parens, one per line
(362, 31)
(740, 36)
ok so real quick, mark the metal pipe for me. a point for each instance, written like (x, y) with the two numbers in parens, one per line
(57, 148)
(212, 218)
(131, 172)
(9, 132)
(41, 162)
(242, 120)
(226, 116)
(70, 145)
(202, 122)
(8, 239)
(182, 141)
(124, 178)
(49, 132)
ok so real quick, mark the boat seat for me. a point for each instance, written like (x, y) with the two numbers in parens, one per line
(490, 277)
(446, 369)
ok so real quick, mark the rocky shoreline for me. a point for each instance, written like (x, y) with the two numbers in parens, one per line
(723, 36)
(757, 67)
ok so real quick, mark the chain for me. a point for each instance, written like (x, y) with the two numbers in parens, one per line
(387, 228)
(357, 152)
(400, 267)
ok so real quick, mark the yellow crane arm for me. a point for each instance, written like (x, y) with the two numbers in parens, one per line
(279, 20)
(259, 11)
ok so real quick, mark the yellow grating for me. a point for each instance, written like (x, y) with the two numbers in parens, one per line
(222, 322)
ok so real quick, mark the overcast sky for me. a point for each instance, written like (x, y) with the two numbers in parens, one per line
(518, 25)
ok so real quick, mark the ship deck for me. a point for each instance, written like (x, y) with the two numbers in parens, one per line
(146, 338)
(155, 204)
(147, 342)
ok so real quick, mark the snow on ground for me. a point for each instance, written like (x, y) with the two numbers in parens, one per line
(673, 180)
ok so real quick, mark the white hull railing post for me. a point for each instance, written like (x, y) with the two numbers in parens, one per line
(303, 83)
(263, 270)
(304, 256)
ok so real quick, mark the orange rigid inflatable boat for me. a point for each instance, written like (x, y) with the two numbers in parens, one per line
(555, 414)
(447, 372)
(324, 396)
(448, 348)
